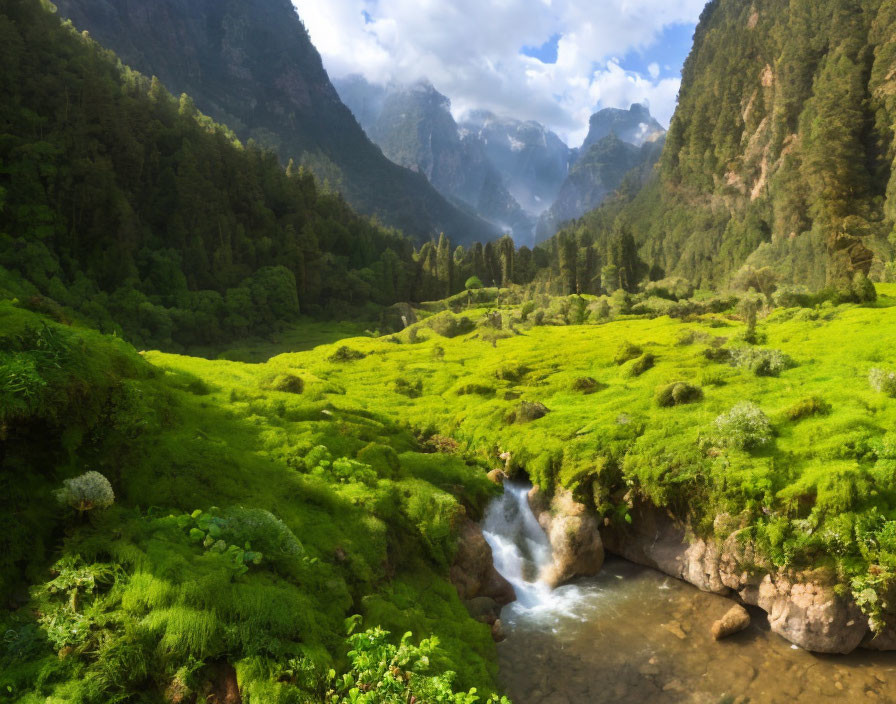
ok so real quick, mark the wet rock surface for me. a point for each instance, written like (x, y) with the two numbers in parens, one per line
(803, 608)
(735, 620)
(573, 534)
(636, 635)
(480, 586)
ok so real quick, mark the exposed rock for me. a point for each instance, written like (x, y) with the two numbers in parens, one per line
(734, 621)
(803, 608)
(497, 476)
(222, 686)
(674, 627)
(573, 533)
(397, 317)
(498, 633)
(483, 609)
(473, 572)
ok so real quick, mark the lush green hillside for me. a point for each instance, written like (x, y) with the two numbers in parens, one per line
(324, 510)
(786, 427)
(258, 506)
(781, 151)
(251, 65)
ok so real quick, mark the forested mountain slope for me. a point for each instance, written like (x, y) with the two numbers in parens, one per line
(251, 65)
(136, 211)
(781, 152)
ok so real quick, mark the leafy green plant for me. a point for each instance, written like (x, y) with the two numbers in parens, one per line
(627, 352)
(449, 325)
(809, 406)
(883, 381)
(677, 394)
(762, 362)
(642, 364)
(86, 492)
(346, 354)
(744, 427)
(408, 388)
(384, 673)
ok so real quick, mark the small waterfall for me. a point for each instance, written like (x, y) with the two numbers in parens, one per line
(521, 551)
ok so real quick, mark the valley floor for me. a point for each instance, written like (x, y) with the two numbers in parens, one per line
(341, 473)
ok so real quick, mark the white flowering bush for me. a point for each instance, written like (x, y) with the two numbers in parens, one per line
(87, 492)
(883, 381)
(760, 361)
(744, 427)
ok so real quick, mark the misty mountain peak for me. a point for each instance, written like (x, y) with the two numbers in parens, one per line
(635, 126)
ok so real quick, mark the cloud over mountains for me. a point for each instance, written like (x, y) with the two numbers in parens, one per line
(475, 52)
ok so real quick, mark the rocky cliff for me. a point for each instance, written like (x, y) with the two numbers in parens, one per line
(594, 177)
(414, 127)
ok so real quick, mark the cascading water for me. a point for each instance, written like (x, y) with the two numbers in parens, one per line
(632, 635)
(521, 551)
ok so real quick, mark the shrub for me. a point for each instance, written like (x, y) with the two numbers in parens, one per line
(883, 381)
(627, 352)
(473, 388)
(346, 354)
(528, 411)
(673, 289)
(493, 319)
(89, 491)
(712, 378)
(792, 297)
(717, 354)
(600, 309)
(441, 443)
(586, 385)
(677, 394)
(762, 362)
(262, 530)
(474, 282)
(512, 371)
(810, 406)
(388, 674)
(382, 458)
(641, 365)
(744, 427)
(288, 383)
(409, 389)
(449, 325)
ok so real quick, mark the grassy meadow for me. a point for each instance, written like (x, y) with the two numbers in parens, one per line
(259, 506)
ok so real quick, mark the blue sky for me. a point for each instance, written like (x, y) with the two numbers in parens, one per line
(554, 61)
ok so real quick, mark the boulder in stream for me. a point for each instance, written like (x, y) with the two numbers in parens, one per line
(473, 572)
(734, 621)
(573, 533)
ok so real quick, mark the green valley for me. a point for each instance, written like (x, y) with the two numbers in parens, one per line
(259, 448)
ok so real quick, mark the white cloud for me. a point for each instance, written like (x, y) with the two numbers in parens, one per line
(470, 50)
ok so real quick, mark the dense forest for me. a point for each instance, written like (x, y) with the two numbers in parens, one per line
(250, 64)
(138, 213)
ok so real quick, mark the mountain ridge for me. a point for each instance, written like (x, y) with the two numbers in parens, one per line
(252, 66)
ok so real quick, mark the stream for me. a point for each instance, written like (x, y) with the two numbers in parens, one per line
(632, 634)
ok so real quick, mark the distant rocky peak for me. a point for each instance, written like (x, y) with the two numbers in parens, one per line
(635, 126)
